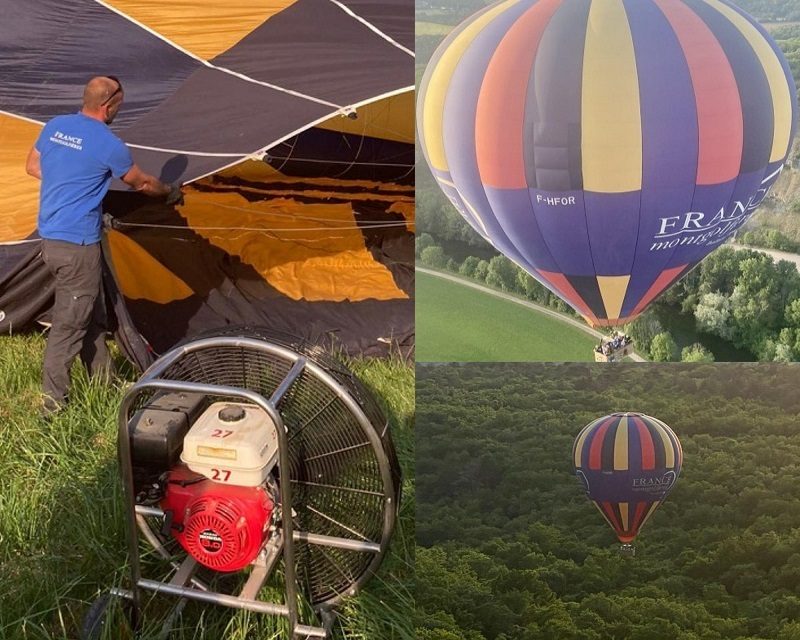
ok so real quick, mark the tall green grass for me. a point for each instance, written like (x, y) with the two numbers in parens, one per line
(62, 532)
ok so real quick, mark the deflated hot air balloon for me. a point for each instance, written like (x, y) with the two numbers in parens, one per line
(298, 218)
(607, 146)
(628, 463)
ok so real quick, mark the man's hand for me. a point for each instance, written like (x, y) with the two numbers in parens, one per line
(110, 222)
(147, 184)
(175, 196)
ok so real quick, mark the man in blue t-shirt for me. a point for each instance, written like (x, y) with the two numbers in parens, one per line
(75, 157)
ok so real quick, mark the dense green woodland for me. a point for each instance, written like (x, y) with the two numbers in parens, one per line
(510, 548)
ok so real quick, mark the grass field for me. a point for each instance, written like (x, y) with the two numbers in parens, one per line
(432, 29)
(62, 538)
(459, 324)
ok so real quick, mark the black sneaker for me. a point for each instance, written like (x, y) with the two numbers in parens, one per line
(50, 409)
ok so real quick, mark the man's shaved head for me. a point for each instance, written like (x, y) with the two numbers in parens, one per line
(98, 90)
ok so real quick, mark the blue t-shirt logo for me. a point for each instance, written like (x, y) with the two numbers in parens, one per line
(80, 155)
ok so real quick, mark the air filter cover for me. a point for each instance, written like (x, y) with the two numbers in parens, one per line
(232, 443)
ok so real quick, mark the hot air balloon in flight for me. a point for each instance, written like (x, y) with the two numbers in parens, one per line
(627, 463)
(607, 146)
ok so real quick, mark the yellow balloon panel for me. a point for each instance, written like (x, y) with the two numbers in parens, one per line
(387, 119)
(312, 252)
(20, 191)
(205, 27)
(139, 275)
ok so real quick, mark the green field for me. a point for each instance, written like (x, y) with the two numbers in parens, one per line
(459, 324)
(432, 29)
(62, 534)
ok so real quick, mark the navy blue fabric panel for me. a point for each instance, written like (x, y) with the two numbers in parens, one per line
(319, 152)
(26, 286)
(172, 167)
(215, 112)
(314, 47)
(49, 49)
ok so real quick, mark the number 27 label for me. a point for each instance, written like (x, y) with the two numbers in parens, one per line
(221, 475)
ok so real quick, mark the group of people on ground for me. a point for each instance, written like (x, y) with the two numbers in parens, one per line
(609, 347)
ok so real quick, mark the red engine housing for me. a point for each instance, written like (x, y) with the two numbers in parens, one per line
(221, 526)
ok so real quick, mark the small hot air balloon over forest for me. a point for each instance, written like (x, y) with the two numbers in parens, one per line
(607, 146)
(627, 463)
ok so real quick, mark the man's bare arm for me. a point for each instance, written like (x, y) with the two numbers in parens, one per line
(144, 182)
(33, 164)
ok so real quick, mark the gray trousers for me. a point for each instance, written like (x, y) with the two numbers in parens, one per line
(78, 316)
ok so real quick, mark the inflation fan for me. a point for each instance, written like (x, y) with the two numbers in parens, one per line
(248, 459)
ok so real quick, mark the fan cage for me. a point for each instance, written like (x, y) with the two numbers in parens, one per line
(344, 470)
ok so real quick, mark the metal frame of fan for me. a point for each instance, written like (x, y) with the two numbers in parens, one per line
(329, 427)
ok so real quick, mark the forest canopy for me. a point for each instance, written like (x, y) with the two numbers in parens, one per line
(510, 548)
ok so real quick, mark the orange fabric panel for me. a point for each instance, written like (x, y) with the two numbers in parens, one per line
(312, 252)
(206, 28)
(258, 171)
(267, 181)
(405, 209)
(389, 119)
(139, 275)
(20, 191)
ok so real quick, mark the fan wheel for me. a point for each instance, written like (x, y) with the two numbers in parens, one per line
(345, 474)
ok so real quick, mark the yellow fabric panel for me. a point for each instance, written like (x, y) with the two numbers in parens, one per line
(779, 87)
(612, 290)
(258, 171)
(669, 450)
(139, 275)
(433, 109)
(252, 170)
(623, 511)
(206, 28)
(621, 450)
(311, 252)
(20, 191)
(319, 193)
(678, 449)
(400, 196)
(389, 119)
(611, 113)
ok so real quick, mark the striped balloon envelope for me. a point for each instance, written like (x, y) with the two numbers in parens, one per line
(627, 463)
(607, 146)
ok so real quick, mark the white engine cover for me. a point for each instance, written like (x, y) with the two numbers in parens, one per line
(232, 443)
